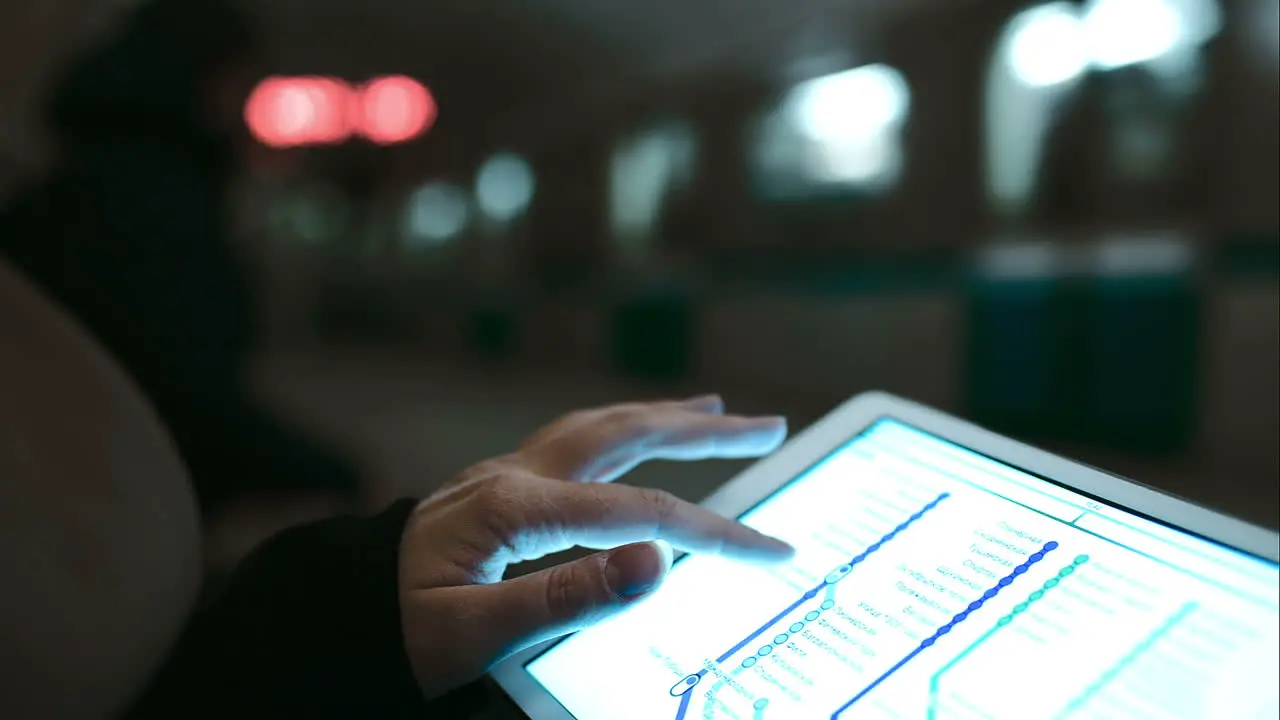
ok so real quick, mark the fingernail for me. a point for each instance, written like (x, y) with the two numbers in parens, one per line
(709, 403)
(775, 550)
(772, 432)
(635, 570)
(785, 549)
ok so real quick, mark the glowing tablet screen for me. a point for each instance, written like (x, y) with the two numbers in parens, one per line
(933, 582)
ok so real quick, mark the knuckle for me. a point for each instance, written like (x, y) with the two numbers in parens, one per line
(575, 420)
(609, 429)
(584, 443)
(622, 423)
(488, 469)
(494, 493)
(660, 503)
(497, 501)
(481, 472)
(577, 417)
(502, 469)
(562, 591)
(600, 505)
(499, 465)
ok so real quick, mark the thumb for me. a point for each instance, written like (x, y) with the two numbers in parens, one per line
(527, 610)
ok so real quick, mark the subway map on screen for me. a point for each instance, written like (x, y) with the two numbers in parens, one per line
(932, 582)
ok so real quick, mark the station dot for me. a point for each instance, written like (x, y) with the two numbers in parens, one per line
(691, 680)
(1036, 557)
(1051, 545)
(812, 616)
(974, 606)
(811, 595)
(943, 630)
(1082, 559)
(844, 569)
(827, 604)
(1020, 569)
(959, 617)
(1051, 582)
(761, 704)
(1005, 620)
(1020, 607)
(1005, 582)
(796, 627)
(926, 642)
(1037, 594)
(988, 594)
(749, 662)
(780, 639)
(1067, 570)
(764, 650)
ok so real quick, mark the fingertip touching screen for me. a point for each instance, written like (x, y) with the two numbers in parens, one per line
(934, 582)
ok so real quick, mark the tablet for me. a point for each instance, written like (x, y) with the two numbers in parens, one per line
(942, 571)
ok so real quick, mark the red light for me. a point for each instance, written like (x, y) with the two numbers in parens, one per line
(330, 99)
(287, 112)
(394, 109)
(292, 111)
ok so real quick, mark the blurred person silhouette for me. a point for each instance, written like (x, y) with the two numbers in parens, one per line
(390, 616)
(131, 236)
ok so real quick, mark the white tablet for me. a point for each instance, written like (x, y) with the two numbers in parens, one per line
(942, 571)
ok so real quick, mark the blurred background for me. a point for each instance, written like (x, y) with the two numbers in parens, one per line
(350, 248)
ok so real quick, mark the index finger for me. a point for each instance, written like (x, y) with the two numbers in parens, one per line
(619, 440)
(559, 516)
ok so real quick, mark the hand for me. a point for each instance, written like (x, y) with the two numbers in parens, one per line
(460, 617)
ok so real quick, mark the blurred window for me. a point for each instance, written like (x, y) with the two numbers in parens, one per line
(838, 131)
(1045, 49)
(504, 187)
(437, 213)
(645, 171)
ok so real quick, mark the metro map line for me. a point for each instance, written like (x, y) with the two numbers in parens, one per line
(1003, 622)
(760, 705)
(684, 688)
(960, 617)
(889, 450)
(1140, 649)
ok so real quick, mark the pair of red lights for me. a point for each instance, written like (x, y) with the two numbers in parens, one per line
(299, 111)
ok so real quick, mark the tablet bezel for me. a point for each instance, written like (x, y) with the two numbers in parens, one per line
(762, 479)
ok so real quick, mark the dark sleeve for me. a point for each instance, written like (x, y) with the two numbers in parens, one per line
(307, 626)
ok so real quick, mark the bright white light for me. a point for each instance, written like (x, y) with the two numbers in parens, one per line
(1128, 32)
(870, 161)
(1047, 46)
(642, 174)
(437, 212)
(1199, 20)
(504, 186)
(851, 105)
(1054, 43)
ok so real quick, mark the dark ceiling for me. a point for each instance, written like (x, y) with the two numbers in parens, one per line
(513, 67)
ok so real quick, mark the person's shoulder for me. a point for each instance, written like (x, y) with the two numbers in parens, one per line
(93, 492)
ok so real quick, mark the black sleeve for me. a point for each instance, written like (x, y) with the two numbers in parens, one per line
(307, 626)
